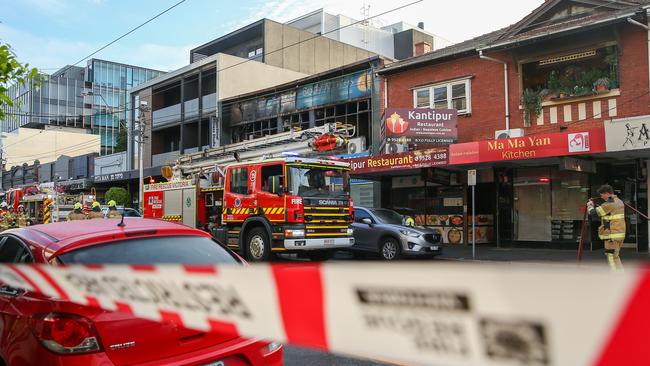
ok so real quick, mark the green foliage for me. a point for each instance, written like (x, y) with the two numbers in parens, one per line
(120, 195)
(122, 139)
(554, 82)
(532, 103)
(12, 72)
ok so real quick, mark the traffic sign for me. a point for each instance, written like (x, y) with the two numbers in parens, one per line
(471, 177)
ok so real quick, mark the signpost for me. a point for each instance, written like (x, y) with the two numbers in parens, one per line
(471, 181)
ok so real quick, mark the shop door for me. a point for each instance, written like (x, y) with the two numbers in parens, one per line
(532, 215)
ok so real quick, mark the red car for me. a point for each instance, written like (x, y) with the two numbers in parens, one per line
(37, 330)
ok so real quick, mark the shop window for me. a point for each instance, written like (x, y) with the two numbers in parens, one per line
(578, 74)
(239, 181)
(453, 95)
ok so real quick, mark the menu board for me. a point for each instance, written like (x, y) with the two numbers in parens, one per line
(449, 226)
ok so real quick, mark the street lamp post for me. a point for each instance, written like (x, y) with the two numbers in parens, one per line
(143, 108)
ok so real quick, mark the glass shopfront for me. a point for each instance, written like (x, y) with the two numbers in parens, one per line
(548, 204)
(438, 200)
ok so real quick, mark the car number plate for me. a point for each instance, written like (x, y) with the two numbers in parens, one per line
(329, 241)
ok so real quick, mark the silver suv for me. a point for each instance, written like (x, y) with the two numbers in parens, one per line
(383, 231)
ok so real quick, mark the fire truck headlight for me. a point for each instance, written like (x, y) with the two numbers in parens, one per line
(293, 233)
(350, 231)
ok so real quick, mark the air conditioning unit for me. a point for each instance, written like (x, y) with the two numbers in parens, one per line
(356, 145)
(507, 134)
(393, 148)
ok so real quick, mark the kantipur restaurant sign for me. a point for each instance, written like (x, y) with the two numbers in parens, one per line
(421, 126)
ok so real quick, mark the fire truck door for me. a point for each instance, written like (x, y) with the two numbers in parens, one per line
(189, 207)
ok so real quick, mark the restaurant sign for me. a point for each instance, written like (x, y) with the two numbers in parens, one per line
(422, 126)
(628, 133)
(408, 160)
(529, 147)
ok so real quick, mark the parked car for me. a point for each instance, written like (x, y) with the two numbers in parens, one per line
(382, 231)
(37, 330)
(128, 212)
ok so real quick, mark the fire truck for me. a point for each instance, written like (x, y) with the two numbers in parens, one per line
(260, 199)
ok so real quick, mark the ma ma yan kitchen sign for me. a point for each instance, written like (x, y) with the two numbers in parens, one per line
(529, 147)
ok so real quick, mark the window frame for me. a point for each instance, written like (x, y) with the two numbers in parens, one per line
(5, 238)
(449, 85)
(230, 182)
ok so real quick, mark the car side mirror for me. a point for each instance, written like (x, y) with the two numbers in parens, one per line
(367, 221)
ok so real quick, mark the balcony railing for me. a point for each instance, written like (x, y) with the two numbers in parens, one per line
(192, 108)
(600, 106)
(167, 115)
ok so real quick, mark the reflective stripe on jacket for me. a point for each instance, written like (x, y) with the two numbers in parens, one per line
(612, 217)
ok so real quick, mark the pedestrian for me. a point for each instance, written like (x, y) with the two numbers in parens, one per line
(96, 211)
(612, 228)
(77, 212)
(113, 213)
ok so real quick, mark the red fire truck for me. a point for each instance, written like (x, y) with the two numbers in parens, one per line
(283, 205)
(265, 205)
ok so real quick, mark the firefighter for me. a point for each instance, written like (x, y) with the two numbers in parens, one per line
(612, 229)
(77, 213)
(4, 216)
(96, 211)
(113, 213)
(21, 218)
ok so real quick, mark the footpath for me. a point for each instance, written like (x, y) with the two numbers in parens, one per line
(541, 256)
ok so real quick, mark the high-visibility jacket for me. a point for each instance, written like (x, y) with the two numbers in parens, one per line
(612, 217)
(72, 216)
(95, 215)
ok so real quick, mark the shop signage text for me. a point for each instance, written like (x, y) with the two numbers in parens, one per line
(628, 134)
(529, 147)
(422, 126)
(408, 160)
(108, 177)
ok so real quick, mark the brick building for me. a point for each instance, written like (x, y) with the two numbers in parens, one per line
(577, 83)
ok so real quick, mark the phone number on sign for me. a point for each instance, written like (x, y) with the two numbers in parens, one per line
(438, 156)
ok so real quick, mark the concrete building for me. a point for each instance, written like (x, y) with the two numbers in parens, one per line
(283, 46)
(25, 145)
(395, 41)
(183, 113)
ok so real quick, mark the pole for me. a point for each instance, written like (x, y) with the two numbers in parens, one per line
(473, 222)
(141, 129)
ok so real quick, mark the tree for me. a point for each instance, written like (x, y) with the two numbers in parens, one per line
(120, 195)
(12, 72)
(122, 139)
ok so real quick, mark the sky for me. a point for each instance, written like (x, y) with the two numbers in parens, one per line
(50, 34)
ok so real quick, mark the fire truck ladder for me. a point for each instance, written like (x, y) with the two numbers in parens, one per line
(267, 146)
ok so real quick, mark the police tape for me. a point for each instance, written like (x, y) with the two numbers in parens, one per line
(424, 314)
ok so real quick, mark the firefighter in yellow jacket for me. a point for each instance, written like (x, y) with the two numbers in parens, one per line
(77, 213)
(113, 213)
(96, 211)
(612, 228)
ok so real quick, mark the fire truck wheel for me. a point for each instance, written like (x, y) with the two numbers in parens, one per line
(258, 248)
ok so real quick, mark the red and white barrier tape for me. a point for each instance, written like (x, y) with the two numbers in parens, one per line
(413, 313)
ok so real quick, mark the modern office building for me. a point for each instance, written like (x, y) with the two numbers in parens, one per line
(93, 98)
